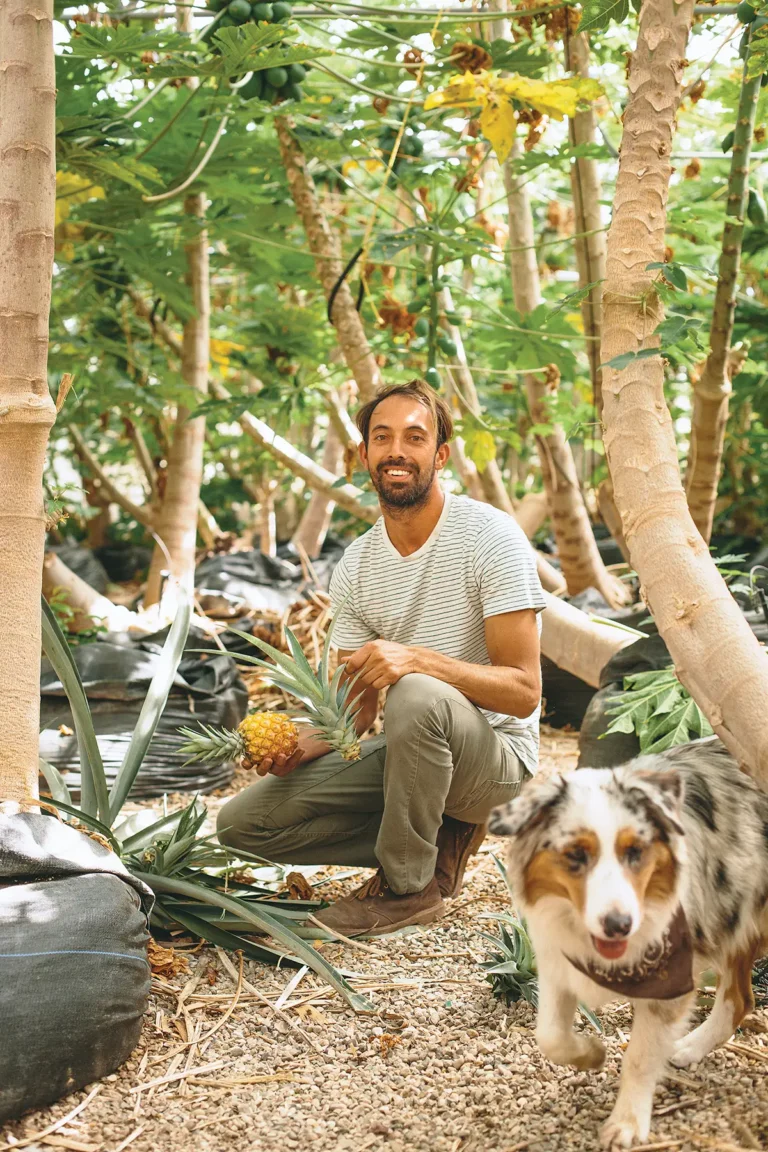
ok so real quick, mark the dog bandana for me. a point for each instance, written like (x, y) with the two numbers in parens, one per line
(664, 971)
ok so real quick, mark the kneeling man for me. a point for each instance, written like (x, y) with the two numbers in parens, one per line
(438, 604)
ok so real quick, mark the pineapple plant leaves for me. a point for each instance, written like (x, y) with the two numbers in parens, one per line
(657, 707)
(171, 855)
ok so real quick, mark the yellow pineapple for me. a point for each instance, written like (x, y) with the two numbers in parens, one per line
(261, 735)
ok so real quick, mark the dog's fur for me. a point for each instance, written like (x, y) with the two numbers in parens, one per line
(684, 827)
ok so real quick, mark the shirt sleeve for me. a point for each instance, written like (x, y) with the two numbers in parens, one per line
(505, 567)
(349, 631)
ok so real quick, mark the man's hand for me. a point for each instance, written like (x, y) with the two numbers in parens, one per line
(381, 663)
(309, 748)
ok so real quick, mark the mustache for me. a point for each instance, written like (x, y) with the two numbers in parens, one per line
(397, 464)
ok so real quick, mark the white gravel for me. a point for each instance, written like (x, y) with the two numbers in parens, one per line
(442, 1066)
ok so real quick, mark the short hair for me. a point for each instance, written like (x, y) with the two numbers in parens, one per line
(414, 390)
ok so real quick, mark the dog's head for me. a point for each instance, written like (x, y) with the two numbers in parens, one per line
(606, 845)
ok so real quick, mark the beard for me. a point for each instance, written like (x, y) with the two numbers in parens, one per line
(405, 493)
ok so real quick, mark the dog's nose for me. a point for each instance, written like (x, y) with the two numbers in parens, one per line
(616, 924)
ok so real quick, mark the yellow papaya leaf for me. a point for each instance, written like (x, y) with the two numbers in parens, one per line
(480, 446)
(462, 91)
(73, 189)
(556, 98)
(221, 349)
(498, 122)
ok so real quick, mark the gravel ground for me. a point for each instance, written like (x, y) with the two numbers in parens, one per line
(441, 1066)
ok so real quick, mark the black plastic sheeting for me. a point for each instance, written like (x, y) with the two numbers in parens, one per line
(124, 561)
(650, 654)
(74, 977)
(116, 672)
(265, 583)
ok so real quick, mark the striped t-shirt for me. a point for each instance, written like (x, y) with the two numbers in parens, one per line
(476, 563)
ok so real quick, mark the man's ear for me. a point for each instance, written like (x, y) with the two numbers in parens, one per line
(363, 454)
(533, 807)
(441, 456)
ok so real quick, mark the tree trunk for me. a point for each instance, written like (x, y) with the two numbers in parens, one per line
(27, 148)
(463, 385)
(715, 654)
(577, 644)
(88, 605)
(141, 514)
(712, 390)
(97, 526)
(579, 557)
(531, 512)
(325, 248)
(177, 520)
(316, 517)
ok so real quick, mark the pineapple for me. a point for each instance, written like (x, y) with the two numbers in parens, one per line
(325, 703)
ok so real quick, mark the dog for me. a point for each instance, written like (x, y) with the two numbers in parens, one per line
(633, 881)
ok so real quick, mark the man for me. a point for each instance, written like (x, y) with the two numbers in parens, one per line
(437, 603)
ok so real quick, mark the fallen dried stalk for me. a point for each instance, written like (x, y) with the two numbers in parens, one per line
(231, 1007)
(280, 1014)
(57, 1123)
(346, 939)
(177, 1076)
(755, 1053)
(130, 1139)
(237, 1081)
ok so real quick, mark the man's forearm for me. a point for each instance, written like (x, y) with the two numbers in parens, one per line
(498, 688)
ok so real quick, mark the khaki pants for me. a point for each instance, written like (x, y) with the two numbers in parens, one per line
(437, 755)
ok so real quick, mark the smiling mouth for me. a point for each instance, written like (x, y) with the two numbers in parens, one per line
(397, 473)
(610, 949)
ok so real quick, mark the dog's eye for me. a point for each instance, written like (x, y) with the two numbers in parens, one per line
(576, 859)
(633, 855)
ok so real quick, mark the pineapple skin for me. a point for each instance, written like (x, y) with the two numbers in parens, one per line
(266, 735)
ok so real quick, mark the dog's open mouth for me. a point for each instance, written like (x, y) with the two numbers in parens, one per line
(610, 949)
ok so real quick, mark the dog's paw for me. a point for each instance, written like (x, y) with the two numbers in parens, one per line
(690, 1050)
(622, 1132)
(582, 1052)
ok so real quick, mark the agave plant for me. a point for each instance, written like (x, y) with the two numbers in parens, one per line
(189, 873)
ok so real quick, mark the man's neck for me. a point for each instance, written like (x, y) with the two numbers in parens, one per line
(410, 528)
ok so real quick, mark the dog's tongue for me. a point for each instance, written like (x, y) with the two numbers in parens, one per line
(610, 949)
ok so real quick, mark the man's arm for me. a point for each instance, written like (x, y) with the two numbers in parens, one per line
(511, 684)
(311, 746)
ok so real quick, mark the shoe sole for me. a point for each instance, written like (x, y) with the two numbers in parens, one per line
(428, 916)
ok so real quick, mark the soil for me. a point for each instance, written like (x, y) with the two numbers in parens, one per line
(442, 1066)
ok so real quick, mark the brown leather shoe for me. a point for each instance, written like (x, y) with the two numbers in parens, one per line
(456, 842)
(374, 909)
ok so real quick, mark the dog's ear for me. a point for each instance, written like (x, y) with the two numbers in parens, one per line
(664, 791)
(531, 808)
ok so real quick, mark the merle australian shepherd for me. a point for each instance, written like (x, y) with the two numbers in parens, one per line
(634, 881)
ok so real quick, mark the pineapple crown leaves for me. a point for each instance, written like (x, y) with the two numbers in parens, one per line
(207, 744)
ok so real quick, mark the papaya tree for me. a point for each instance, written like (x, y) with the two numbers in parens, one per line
(27, 412)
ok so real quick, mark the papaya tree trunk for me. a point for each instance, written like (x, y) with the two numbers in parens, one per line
(324, 246)
(28, 151)
(178, 517)
(98, 524)
(577, 550)
(587, 192)
(715, 653)
(577, 644)
(712, 390)
(316, 518)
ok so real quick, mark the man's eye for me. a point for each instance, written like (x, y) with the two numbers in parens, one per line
(576, 859)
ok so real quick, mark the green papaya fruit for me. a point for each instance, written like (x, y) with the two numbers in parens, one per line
(280, 11)
(277, 77)
(757, 213)
(254, 88)
(745, 12)
(261, 12)
(421, 327)
(240, 11)
(727, 141)
(432, 377)
(216, 5)
(415, 306)
(296, 73)
(292, 91)
(447, 345)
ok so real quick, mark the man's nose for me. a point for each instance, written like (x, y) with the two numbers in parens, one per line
(616, 924)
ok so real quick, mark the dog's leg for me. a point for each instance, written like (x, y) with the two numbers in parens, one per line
(656, 1026)
(554, 1024)
(733, 1002)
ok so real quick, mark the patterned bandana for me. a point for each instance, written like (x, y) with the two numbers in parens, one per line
(664, 971)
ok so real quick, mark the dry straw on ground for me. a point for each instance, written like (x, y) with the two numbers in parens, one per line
(240, 1056)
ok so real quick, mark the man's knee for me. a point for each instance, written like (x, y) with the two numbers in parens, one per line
(238, 827)
(413, 698)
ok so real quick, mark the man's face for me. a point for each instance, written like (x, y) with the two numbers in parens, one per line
(402, 455)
